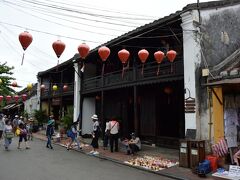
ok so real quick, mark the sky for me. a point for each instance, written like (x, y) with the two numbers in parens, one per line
(73, 22)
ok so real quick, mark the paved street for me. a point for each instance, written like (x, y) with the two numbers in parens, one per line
(40, 163)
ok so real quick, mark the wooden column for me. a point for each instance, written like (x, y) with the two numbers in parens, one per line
(218, 120)
(61, 95)
(135, 103)
(136, 121)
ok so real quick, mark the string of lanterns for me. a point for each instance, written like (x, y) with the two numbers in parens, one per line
(58, 46)
(16, 98)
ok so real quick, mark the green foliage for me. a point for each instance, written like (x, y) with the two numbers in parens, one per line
(68, 118)
(25, 114)
(6, 76)
(40, 116)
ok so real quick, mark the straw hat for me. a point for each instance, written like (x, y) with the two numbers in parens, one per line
(94, 117)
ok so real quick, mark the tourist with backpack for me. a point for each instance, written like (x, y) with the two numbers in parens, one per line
(72, 133)
(114, 133)
(22, 136)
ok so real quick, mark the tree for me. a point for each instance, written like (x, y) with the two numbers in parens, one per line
(5, 76)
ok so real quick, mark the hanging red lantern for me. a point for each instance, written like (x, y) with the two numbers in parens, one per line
(83, 50)
(24, 97)
(16, 97)
(159, 55)
(25, 39)
(171, 55)
(168, 90)
(42, 87)
(65, 88)
(103, 52)
(14, 84)
(143, 55)
(123, 56)
(8, 98)
(58, 47)
(1, 98)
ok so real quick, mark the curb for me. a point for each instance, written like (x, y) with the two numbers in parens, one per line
(122, 163)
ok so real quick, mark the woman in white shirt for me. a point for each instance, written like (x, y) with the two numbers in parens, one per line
(8, 134)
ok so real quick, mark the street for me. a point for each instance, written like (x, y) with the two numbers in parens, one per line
(40, 163)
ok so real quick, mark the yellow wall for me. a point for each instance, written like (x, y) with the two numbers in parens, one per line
(45, 107)
(218, 121)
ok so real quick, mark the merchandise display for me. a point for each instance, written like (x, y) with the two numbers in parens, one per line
(152, 163)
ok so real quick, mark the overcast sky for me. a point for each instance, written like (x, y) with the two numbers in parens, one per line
(33, 15)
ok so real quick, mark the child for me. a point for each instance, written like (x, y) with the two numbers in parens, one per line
(22, 135)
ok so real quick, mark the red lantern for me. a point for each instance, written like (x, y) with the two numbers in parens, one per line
(58, 47)
(65, 88)
(16, 97)
(103, 52)
(14, 84)
(25, 39)
(1, 98)
(159, 55)
(171, 55)
(168, 91)
(83, 50)
(143, 55)
(42, 87)
(123, 56)
(24, 97)
(8, 98)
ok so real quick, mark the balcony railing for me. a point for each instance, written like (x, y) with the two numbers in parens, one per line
(131, 76)
(48, 92)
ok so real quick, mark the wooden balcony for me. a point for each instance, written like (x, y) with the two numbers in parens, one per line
(48, 92)
(132, 77)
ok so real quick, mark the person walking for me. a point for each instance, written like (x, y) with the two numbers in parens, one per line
(95, 134)
(29, 127)
(22, 136)
(73, 135)
(106, 135)
(2, 124)
(114, 130)
(15, 123)
(8, 134)
(50, 132)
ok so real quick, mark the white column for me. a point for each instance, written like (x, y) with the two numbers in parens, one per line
(77, 85)
(192, 58)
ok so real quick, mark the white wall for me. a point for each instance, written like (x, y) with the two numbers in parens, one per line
(76, 106)
(87, 111)
(31, 104)
(192, 59)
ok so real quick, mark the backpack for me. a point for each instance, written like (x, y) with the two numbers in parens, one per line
(203, 168)
(70, 133)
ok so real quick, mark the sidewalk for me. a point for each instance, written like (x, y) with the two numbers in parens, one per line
(174, 172)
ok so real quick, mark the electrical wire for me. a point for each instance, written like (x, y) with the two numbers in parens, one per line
(37, 58)
(64, 8)
(44, 32)
(54, 22)
(101, 9)
(88, 19)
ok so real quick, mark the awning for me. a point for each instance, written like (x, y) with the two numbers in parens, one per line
(9, 106)
(223, 81)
